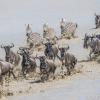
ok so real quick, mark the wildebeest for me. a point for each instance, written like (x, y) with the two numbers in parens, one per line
(62, 53)
(68, 59)
(6, 68)
(46, 68)
(93, 42)
(28, 63)
(51, 50)
(89, 38)
(10, 56)
(70, 62)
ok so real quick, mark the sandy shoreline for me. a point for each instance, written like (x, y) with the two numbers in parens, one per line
(28, 87)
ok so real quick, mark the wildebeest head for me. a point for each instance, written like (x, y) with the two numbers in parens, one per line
(7, 50)
(63, 50)
(42, 59)
(48, 48)
(25, 56)
(48, 45)
(23, 51)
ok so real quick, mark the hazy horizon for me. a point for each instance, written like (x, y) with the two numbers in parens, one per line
(14, 14)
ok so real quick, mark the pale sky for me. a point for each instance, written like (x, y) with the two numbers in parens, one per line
(14, 14)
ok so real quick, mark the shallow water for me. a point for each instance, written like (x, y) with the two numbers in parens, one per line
(80, 89)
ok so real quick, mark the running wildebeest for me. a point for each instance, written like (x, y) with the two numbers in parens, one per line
(62, 53)
(94, 43)
(46, 68)
(70, 62)
(10, 56)
(51, 50)
(67, 59)
(28, 63)
(6, 68)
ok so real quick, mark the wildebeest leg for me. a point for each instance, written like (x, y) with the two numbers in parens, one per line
(1, 80)
(72, 66)
(13, 74)
(11, 61)
(47, 76)
(68, 69)
(9, 73)
(54, 56)
(62, 62)
(42, 74)
(33, 69)
(54, 74)
(44, 77)
(90, 55)
(23, 72)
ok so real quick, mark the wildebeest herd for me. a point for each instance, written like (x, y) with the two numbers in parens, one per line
(51, 50)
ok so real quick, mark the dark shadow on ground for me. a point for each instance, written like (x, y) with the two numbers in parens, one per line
(36, 81)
